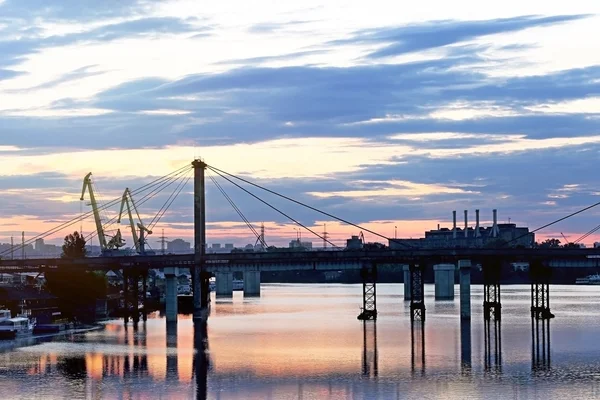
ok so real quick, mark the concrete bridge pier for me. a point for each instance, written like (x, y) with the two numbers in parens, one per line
(464, 267)
(444, 281)
(251, 283)
(224, 281)
(171, 294)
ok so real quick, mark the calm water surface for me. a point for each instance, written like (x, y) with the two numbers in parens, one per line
(304, 342)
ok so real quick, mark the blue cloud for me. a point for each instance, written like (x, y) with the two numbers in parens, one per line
(69, 9)
(418, 37)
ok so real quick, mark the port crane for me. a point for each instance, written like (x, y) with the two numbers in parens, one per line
(114, 242)
(139, 242)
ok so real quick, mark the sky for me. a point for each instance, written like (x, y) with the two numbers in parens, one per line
(386, 114)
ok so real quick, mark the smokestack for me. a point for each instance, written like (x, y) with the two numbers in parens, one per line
(466, 225)
(495, 230)
(454, 226)
(477, 233)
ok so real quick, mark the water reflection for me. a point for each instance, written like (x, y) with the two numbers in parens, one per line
(465, 346)
(290, 343)
(370, 356)
(417, 346)
(540, 344)
(201, 360)
(492, 346)
(171, 343)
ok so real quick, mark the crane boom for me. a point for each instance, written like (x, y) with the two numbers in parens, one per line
(87, 183)
(127, 200)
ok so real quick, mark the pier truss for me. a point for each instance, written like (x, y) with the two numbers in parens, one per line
(540, 290)
(368, 274)
(492, 307)
(417, 293)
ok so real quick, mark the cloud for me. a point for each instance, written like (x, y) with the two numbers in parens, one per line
(434, 34)
(69, 9)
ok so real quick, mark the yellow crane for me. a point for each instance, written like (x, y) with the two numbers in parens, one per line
(128, 201)
(116, 241)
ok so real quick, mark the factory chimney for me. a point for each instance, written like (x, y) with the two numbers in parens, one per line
(495, 230)
(454, 225)
(466, 225)
(477, 233)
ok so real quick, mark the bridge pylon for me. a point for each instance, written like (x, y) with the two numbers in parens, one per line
(492, 306)
(368, 274)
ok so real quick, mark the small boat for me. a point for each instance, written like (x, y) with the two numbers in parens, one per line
(20, 326)
(589, 280)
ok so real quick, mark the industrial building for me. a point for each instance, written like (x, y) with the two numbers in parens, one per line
(467, 236)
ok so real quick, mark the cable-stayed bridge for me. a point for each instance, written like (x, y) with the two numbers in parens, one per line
(202, 265)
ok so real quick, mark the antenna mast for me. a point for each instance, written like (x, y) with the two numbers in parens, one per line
(162, 242)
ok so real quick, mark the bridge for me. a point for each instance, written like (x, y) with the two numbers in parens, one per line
(411, 260)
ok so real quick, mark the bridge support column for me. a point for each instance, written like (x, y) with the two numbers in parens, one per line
(224, 283)
(540, 290)
(369, 278)
(491, 291)
(171, 294)
(444, 281)
(125, 296)
(205, 301)
(251, 283)
(464, 267)
(145, 295)
(417, 293)
(135, 301)
(200, 313)
(406, 271)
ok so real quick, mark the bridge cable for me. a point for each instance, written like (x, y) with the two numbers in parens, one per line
(273, 207)
(214, 169)
(585, 235)
(555, 222)
(159, 186)
(89, 213)
(239, 212)
(181, 186)
(148, 196)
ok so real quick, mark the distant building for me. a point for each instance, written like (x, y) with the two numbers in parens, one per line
(179, 246)
(469, 237)
(216, 246)
(229, 246)
(354, 243)
(39, 245)
(297, 244)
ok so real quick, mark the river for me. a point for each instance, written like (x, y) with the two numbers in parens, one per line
(304, 342)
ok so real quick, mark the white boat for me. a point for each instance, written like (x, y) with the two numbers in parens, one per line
(589, 280)
(20, 326)
(4, 315)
